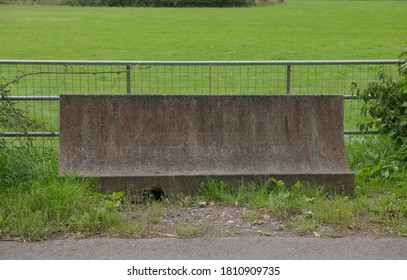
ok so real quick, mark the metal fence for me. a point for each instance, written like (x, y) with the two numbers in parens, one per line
(35, 86)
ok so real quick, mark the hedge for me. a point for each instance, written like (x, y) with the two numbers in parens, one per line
(169, 3)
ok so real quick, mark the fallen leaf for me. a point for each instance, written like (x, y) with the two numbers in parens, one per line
(309, 213)
(257, 223)
(308, 199)
(202, 203)
(263, 233)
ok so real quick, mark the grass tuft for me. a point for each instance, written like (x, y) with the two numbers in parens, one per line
(190, 230)
(379, 205)
(36, 203)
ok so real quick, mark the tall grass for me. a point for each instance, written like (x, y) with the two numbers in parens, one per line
(21, 165)
(379, 204)
(36, 203)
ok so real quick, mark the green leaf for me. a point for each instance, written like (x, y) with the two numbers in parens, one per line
(278, 183)
(297, 185)
(385, 173)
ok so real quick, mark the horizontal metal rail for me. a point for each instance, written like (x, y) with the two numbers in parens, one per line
(30, 98)
(209, 63)
(56, 134)
(30, 134)
(56, 98)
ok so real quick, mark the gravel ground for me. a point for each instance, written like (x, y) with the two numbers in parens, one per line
(208, 231)
(211, 220)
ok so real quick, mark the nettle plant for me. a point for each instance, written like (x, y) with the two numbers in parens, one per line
(385, 106)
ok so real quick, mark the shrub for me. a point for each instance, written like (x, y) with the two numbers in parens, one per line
(170, 3)
(385, 106)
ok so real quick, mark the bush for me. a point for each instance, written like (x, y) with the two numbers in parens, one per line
(385, 105)
(170, 3)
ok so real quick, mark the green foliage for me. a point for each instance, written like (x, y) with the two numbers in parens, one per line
(385, 105)
(188, 230)
(166, 3)
(114, 201)
(36, 203)
(254, 194)
(375, 162)
(20, 166)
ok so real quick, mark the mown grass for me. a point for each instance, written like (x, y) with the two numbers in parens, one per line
(295, 30)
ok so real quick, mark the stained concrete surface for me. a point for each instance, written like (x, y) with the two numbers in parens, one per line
(175, 142)
(281, 248)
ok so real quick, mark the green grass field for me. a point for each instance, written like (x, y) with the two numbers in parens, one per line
(295, 30)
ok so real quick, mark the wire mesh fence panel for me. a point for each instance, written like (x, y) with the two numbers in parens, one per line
(33, 87)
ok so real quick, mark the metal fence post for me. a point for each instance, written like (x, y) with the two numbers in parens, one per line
(128, 79)
(288, 79)
(210, 78)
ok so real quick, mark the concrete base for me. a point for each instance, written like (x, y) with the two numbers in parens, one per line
(190, 184)
(136, 142)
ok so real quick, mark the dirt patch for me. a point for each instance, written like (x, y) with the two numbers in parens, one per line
(208, 220)
(211, 220)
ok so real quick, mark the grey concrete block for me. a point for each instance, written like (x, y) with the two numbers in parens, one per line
(133, 142)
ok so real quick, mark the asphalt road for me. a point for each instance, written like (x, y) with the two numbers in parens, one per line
(230, 248)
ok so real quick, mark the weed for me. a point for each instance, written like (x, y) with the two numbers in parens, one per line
(114, 201)
(376, 163)
(333, 211)
(188, 230)
(155, 212)
(252, 217)
(303, 224)
(219, 191)
(185, 200)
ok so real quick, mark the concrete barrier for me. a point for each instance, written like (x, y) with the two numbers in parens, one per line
(175, 142)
